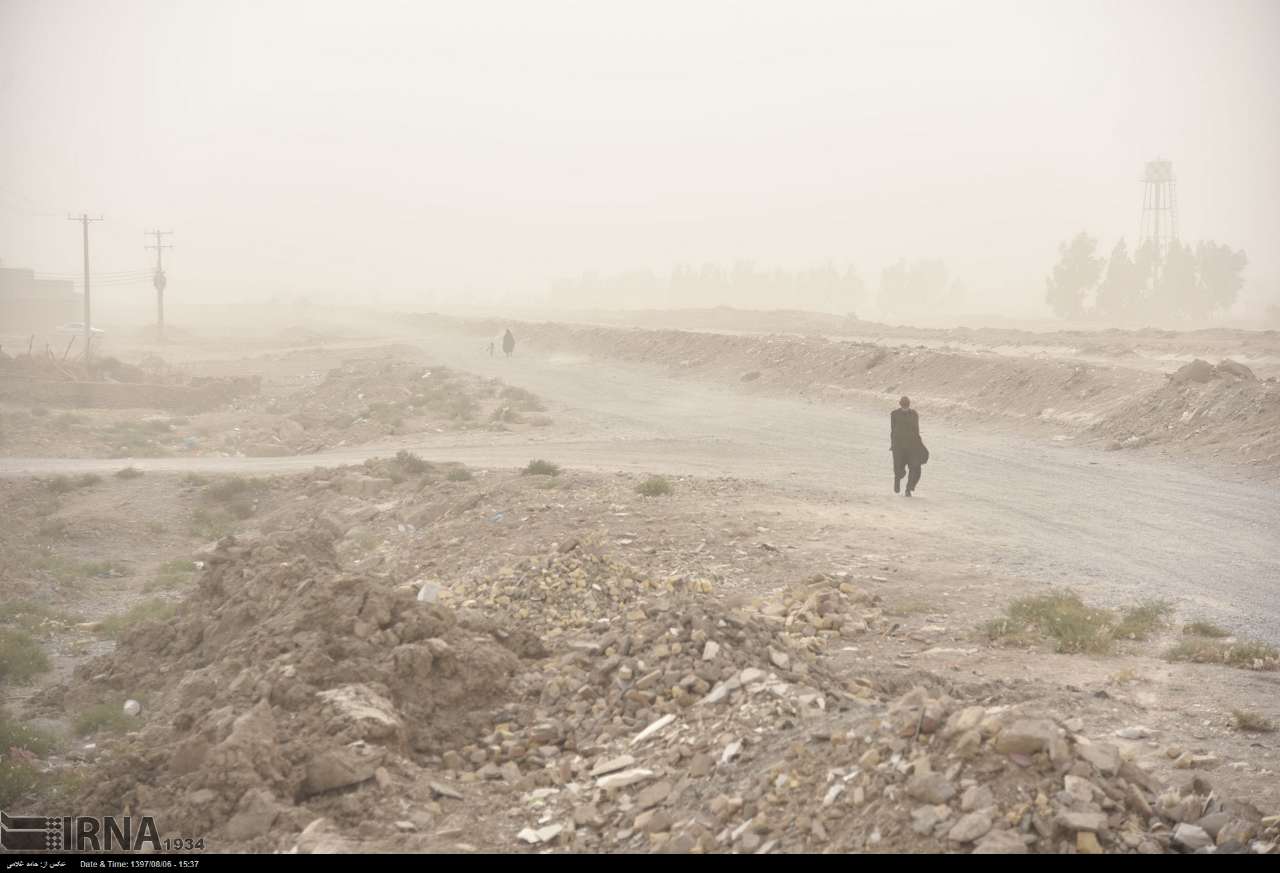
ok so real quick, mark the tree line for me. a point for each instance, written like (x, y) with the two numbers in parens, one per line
(908, 287)
(1183, 282)
(824, 287)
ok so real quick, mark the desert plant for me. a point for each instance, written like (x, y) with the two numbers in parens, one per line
(1060, 615)
(1205, 629)
(654, 486)
(1140, 621)
(1246, 654)
(411, 464)
(17, 777)
(1252, 722)
(21, 657)
(541, 468)
(62, 484)
(108, 717)
(148, 610)
(525, 401)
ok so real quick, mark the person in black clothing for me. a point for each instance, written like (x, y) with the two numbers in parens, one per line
(508, 343)
(908, 448)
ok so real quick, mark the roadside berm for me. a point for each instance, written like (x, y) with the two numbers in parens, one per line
(108, 383)
(1224, 410)
(1222, 413)
(571, 702)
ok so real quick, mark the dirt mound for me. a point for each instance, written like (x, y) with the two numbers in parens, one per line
(952, 383)
(99, 369)
(1224, 410)
(283, 679)
(308, 697)
(368, 398)
(109, 383)
(570, 701)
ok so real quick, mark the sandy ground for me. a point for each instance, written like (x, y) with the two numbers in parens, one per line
(1114, 526)
(769, 490)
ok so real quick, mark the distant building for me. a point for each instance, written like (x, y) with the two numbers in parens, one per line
(31, 305)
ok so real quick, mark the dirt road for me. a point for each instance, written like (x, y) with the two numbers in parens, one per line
(1112, 526)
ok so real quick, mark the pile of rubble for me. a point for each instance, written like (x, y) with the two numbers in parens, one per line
(923, 773)
(368, 398)
(282, 679)
(1223, 408)
(570, 702)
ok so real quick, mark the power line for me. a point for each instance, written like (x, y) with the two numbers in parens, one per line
(84, 220)
(160, 281)
(103, 275)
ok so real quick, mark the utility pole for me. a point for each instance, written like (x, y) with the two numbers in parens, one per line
(88, 337)
(159, 280)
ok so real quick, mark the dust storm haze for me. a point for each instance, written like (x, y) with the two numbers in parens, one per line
(651, 427)
(634, 156)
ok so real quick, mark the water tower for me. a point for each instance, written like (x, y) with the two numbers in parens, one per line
(1159, 206)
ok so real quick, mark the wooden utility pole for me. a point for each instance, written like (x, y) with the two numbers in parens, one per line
(159, 280)
(84, 225)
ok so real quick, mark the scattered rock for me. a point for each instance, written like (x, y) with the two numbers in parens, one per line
(1196, 371)
(612, 765)
(977, 797)
(1002, 842)
(930, 788)
(970, 827)
(1093, 822)
(1087, 843)
(335, 769)
(1191, 837)
(614, 781)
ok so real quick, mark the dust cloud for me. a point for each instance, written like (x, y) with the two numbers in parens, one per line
(667, 428)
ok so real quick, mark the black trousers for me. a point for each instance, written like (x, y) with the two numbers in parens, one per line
(904, 460)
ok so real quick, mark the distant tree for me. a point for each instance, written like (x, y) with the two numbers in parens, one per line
(1075, 274)
(853, 291)
(912, 287)
(1121, 287)
(1219, 270)
(1176, 291)
(1183, 283)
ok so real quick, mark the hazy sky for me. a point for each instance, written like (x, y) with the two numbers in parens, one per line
(340, 147)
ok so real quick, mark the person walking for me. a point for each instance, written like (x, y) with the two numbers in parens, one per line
(909, 452)
(508, 343)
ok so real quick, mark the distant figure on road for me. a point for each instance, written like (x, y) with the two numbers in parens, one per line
(908, 449)
(508, 343)
(491, 348)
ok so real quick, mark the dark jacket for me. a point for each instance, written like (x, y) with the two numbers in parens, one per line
(904, 433)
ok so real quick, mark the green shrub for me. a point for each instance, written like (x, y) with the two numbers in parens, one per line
(1246, 654)
(1205, 629)
(17, 777)
(1060, 615)
(108, 717)
(411, 464)
(541, 468)
(21, 657)
(227, 490)
(654, 486)
(148, 610)
(1252, 722)
(1139, 622)
(525, 401)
